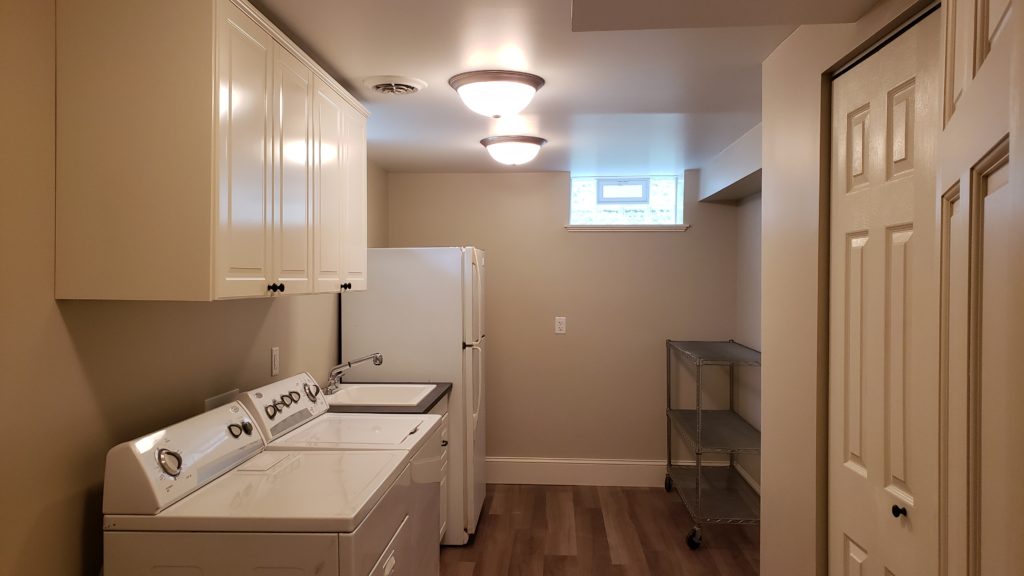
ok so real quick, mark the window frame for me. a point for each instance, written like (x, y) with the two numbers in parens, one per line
(645, 184)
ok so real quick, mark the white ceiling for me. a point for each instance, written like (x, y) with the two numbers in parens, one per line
(615, 103)
(650, 14)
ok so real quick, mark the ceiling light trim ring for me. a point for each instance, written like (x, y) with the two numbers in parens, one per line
(532, 80)
(524, 139)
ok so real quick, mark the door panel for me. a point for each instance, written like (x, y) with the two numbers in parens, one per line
(992, 411)
(244, 63)
(293, 167)
(329, 187)
(354, 236)
(884, 308)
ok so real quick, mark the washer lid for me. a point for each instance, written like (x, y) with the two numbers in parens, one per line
(282, 492)
(360, 432)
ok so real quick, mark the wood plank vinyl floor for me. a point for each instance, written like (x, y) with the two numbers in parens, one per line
(596, 531)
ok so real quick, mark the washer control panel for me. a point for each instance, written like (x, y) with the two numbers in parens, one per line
(148, 474)
(282, 406)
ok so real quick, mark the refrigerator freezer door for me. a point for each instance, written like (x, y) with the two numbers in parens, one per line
(476, 435)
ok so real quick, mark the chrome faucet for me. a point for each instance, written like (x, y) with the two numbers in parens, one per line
(334, 378)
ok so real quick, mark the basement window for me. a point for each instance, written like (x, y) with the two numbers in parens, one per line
(633, 203)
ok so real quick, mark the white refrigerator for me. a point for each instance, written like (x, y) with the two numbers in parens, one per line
(423, 309)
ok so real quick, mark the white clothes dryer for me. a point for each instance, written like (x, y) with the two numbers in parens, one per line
(204, 497)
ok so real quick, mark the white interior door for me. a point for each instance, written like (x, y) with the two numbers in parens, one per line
(883, 413)
(983, 279)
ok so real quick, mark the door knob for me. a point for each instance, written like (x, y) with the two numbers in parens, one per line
(898, 511)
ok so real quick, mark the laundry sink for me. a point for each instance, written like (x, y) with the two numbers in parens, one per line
(380, 394)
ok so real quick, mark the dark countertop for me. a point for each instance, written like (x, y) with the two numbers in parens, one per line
(425, 405)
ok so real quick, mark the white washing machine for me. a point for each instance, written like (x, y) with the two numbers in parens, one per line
(203, 497)
(292, 414)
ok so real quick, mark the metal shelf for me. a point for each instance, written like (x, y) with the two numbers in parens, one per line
(725, 497)
(716, 353)
(713, 494)
(721, 431)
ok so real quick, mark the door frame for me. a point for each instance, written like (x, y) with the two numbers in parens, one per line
(886, 33)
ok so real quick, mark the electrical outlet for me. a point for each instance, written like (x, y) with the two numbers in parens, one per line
(559, 324)
(275, 361)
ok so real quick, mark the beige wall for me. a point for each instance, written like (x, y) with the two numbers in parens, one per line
(748, 317)
(376, 205)
(82, 376)
(597, 391)
(794, 290)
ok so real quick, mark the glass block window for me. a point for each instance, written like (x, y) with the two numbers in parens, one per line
(649, 201)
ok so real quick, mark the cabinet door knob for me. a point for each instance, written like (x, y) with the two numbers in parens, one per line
(280, 287)
(898, 511)
(271, 287)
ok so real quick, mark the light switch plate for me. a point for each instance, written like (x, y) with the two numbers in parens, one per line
(275, 361)
(559, 324)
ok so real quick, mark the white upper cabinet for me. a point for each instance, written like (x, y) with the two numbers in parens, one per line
(354, 239)
(293, 174)
(243, 244)
(200, 156)
(329, 185)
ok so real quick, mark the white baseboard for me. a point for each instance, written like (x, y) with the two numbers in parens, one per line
(588, 472)
(577, 472)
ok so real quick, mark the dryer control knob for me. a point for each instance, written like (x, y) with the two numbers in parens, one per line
(247, 428)
(170, 461)
(235, 430)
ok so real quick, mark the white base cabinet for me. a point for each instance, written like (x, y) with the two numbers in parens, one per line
(201, 156)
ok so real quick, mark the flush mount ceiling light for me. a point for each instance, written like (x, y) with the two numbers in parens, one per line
(496, 93)
(513, 150)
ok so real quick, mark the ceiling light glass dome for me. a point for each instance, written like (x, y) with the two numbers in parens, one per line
(496, 93)
(513, 150)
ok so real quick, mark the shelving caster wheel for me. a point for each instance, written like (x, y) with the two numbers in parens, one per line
(693, 539)
(668, 483)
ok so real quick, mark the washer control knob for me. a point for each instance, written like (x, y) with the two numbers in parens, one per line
(286, 399)
(271, 410)
(295, 396)
(309, 392)
(170, 461)
(235, 430)
(247, 427)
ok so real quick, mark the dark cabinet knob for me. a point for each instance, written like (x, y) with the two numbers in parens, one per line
(346, 286)
(280, 287)
(444, 443)
(898, 511)
(275, 287)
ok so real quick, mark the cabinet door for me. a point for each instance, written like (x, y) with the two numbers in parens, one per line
(293, 174)
(244, 66)
(329, 186)
(355, 200)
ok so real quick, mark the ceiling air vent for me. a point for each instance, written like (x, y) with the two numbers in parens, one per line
(394, 85)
